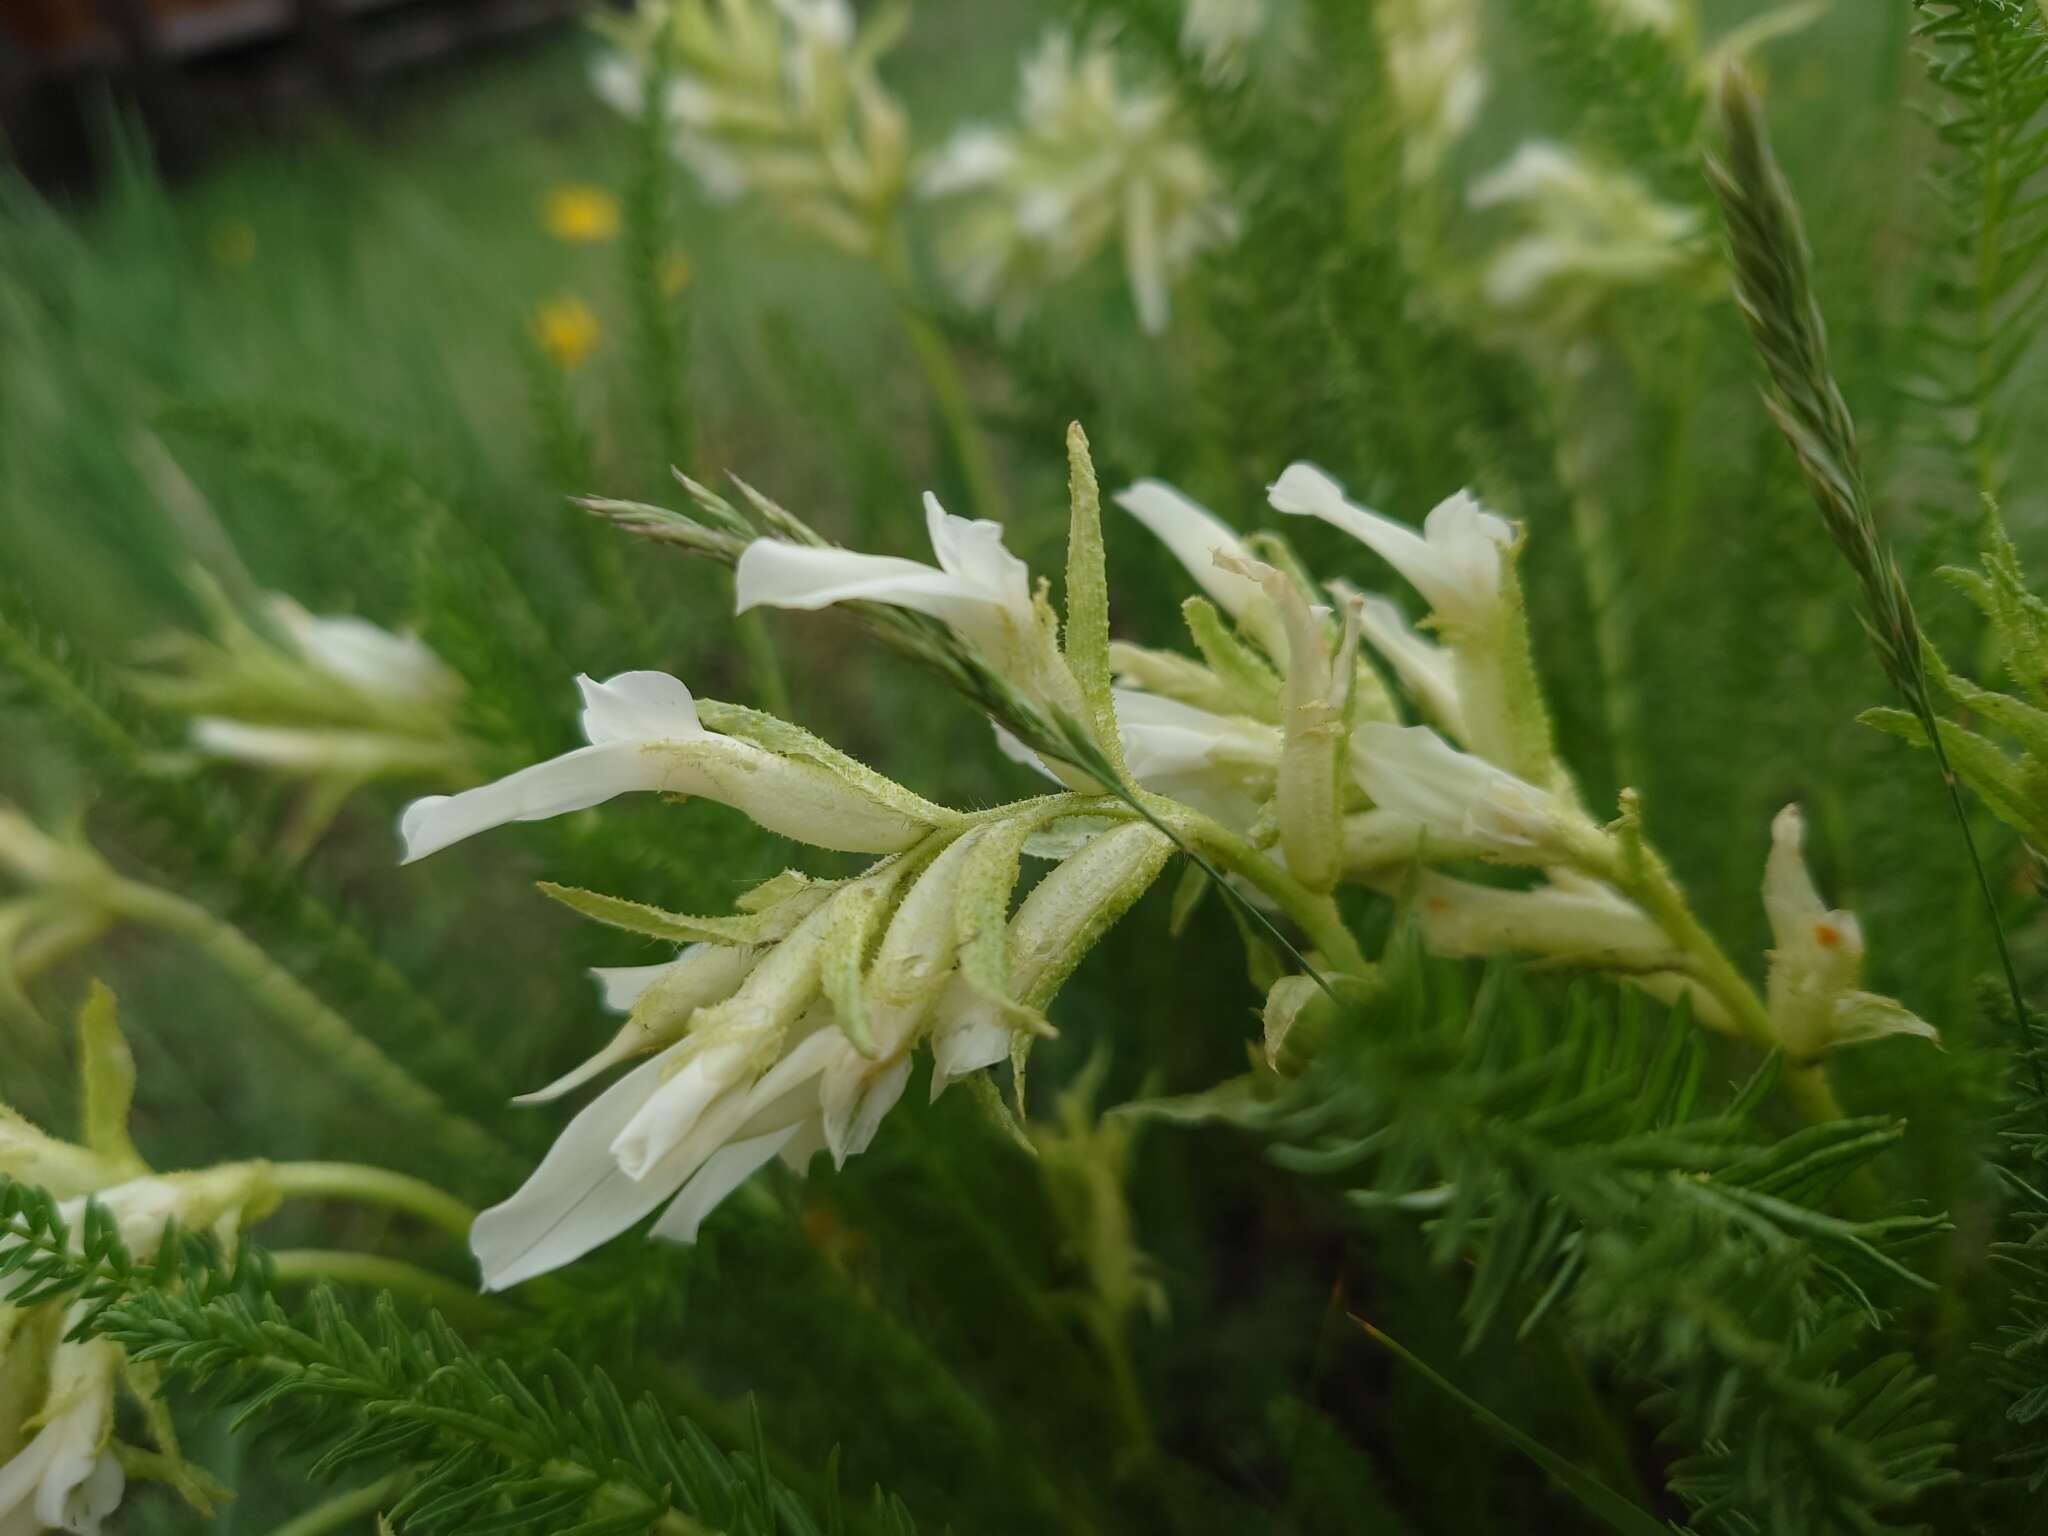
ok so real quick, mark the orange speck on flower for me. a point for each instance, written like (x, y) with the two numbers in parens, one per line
(582, 215)
(567, 331)
(1437, 904)
(1826, 935)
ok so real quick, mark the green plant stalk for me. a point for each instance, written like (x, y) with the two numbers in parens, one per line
(1643, 876)
(311, 1022)
(942, 378)
(764, 663)
(1315, 912)
(1773, 286)
(373, 1271)
(344, 1509)
(373, 1186)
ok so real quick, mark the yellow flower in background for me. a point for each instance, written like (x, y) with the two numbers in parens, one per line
(675, 274)
(567, 330)
(582, 214)
(231, 243)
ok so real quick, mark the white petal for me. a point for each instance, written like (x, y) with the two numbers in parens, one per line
(1790, 899)
(296, 748)
(973, 157)
(572, 782)
(971, 549)
(723, 1172)
(1536, 170)
(1193, 534)
(21, 1477)
(672, 1112)
(776, 574)
(769, 1100)
(616, 79)
(1424, 669)
(638, 707)
(1414, 772)
(359, 652)
(808, 1142)
(578, 1197)
(853, 1098)
(621, 985)
(1015, 750)
(702, 974)
(967, 1045)
(1163, 737)
(1864, 1016)
(1304, 490)
(1470, 537)
(875, 1104)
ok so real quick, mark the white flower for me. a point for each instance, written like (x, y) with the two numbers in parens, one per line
(644, 734)
(766, 1071)
(330, 696)
(1222, 765)
(66, 1478)
(773, 97)
(1816, 960)
(1053, 928)
(1664, 17)
(1592, 230)
(1090, 162)
(1434, 73)
(1219, 31)
(1314, 703)
(1425, 670)
(1195, 536)
(357, 652)
(684, 1130)
(661, 999)
(306, 749)
(978, 587)
(1455, 562)
(1569, 918)
(1465, 800)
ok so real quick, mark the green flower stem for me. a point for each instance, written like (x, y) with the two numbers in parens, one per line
(764, 663)
(1638, 872)
(307, 1266)
(310, 1021)
(942, 378)
(949, 395)
(1314, 911)
(344, 1510)
(373, 1186)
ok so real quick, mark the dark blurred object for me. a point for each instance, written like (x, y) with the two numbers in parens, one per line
(199, 71)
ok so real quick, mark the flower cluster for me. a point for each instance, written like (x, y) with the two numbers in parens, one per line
(60, 1468)
(1092, 161)
(1281, 748)
(330, 698)
(1434, 74)
(1591, 230)
(776, 99)
(790, 1027)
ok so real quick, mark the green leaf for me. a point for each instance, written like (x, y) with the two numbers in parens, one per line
(1977, 761)
(793, 741)
(1086, 642)
(1252, 686)
(849, 936)
(106, 1078)
(680, 928)
(1600, 1501)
